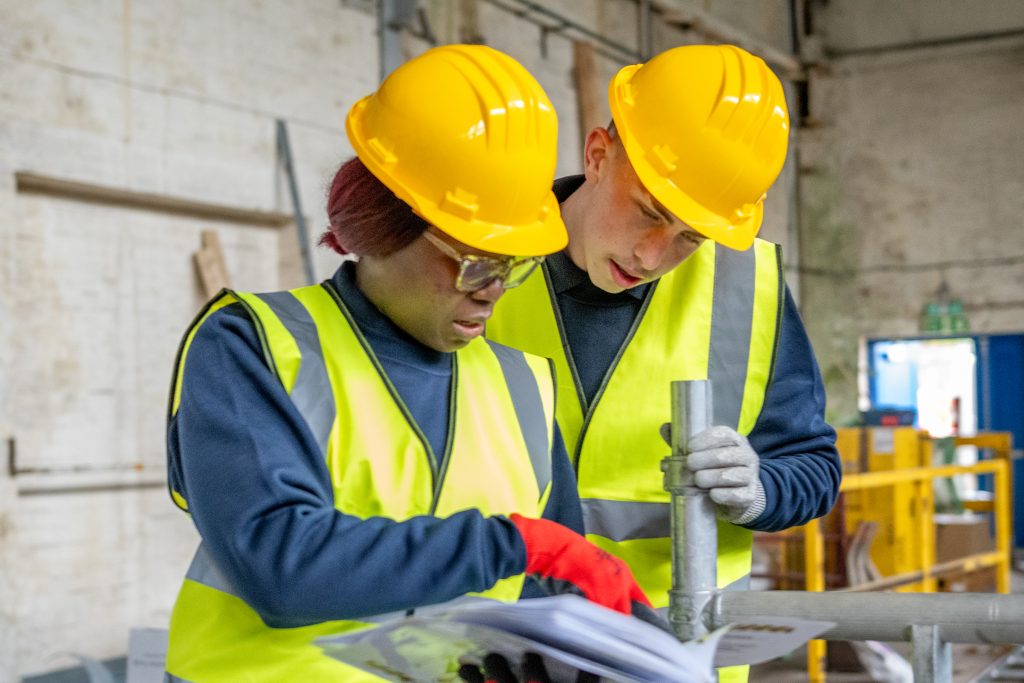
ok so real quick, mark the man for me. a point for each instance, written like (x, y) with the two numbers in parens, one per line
(663, 280)
(355, 448)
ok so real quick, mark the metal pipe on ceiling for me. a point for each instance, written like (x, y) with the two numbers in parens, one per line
(563, 25)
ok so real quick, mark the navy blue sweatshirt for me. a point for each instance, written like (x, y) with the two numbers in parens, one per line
(800, 467)
(260, 494)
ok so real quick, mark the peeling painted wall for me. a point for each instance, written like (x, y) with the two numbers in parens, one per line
(152, 97)
(914, 179)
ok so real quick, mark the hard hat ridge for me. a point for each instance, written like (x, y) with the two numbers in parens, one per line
(706, 129)
(468, 138)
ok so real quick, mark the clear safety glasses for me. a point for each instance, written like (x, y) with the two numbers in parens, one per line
(476, 272)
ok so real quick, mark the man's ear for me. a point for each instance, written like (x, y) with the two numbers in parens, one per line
(595, 153)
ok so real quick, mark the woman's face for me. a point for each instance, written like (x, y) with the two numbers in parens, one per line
(415, 288)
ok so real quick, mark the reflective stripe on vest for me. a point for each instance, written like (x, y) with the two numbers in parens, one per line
(533, 423)
(380, 464)
(311, 392)
(715, 316)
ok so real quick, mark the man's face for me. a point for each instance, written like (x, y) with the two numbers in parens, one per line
(625, 236)
(415, 288)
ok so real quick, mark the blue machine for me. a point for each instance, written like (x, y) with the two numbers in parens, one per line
(893, 385)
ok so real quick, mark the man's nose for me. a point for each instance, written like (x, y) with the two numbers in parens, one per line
(650, 251)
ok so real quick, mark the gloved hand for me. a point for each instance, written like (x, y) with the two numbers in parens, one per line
(496, 669)
(724, 463)
(565, 562)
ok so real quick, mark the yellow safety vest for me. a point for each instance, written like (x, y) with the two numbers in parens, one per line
(502, 421)
(713, 317)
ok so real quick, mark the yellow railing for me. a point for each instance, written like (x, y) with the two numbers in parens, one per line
(920, 478)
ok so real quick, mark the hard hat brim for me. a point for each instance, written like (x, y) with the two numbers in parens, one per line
(536, 239)
(738, 235)
(544, 236)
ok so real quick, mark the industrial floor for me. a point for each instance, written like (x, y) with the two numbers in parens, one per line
(969, 661)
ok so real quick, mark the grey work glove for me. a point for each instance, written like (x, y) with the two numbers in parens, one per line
(726, 466)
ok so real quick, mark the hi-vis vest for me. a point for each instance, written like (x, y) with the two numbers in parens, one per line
(715, 317)
(500, 432)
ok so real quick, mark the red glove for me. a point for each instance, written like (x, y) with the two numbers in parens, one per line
(565, 562)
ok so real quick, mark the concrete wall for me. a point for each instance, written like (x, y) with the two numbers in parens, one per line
(175, 99)
(913, 179)
(155, 97)
(855, 26)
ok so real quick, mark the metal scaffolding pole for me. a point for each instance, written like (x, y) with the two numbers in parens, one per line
(930, 621)
(694, 560)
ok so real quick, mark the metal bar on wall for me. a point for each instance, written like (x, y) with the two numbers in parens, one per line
(284, 151)
(567, 28)
(392, 17)
(35, 183)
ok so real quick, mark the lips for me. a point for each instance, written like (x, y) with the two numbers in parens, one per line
(623, 278)
(470, 328)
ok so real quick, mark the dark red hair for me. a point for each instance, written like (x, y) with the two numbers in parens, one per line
(366, 218)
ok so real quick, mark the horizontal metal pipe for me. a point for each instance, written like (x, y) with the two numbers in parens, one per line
(90, 488)
(709, 26)
(924, 44)
(28, 182)
(962, 617)
(607, 47)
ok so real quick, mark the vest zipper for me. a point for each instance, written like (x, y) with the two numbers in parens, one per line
(588, 411)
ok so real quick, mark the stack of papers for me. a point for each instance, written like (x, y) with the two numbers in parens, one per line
(569, 632)
(572, 634)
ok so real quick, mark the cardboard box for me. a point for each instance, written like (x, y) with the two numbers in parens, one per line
(978, 581)
(958, 536)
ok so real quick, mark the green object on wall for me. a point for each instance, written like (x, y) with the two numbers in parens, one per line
(944, 317)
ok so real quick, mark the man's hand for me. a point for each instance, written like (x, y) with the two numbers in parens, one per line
(723, 462)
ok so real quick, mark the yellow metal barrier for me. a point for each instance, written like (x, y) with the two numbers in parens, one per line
(907, 509)
(814, 569)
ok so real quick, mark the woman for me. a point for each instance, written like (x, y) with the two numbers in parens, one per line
(355, 448)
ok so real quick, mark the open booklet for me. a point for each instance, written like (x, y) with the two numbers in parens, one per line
(571, 634)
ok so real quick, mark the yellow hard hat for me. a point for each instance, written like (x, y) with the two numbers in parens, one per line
(468, 138)
(705, 128)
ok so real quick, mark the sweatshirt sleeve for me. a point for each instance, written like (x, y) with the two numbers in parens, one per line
(800, 467)
(260, 495)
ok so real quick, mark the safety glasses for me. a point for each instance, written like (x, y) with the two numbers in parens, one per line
(476, 272)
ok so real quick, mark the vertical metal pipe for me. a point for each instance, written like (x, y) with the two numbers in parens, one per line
(644, 30)
(284, 151)
(694, 530)
(392, 17)
(933, 658)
